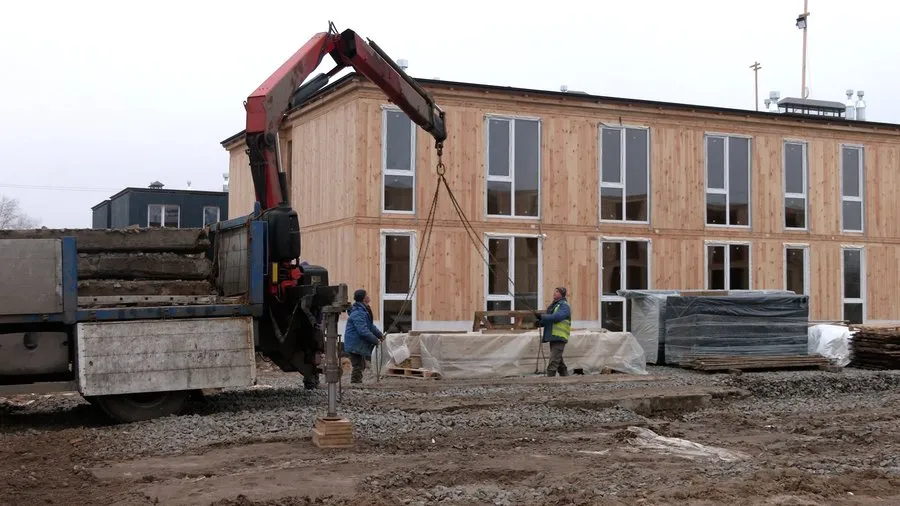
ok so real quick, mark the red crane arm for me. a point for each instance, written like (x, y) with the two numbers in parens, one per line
(267, 106)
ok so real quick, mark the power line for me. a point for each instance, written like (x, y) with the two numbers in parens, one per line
(63, 188)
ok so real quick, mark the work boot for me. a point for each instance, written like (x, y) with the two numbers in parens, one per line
(563, 372)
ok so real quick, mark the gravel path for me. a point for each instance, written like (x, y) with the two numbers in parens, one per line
(422, 442)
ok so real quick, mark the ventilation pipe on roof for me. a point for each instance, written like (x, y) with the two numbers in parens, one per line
(860, 106)
(850, 106)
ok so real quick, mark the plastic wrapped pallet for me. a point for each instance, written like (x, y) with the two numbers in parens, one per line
(751, 325)
(648, 308)
(480, 355)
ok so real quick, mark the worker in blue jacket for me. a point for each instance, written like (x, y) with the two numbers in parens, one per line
(360, 335)
(557, 323)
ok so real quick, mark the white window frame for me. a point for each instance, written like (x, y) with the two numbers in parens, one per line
(862, 280)
(382, 269)
(708, 243)
(623, 274)
(385, 172)
(720, 191)
(806, 267)
(861, 180)
(488, 297)
(163, 214)
(804, 148)
(622, 160)
(218, 214)
(511, 179)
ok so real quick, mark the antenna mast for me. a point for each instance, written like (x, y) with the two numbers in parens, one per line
(756, 66)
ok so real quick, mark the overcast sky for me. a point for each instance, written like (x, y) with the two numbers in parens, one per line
(100, 95)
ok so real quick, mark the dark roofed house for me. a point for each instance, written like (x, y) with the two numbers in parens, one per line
(158, 207)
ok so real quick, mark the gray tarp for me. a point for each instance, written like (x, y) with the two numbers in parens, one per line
(648, 309)
(758, 325)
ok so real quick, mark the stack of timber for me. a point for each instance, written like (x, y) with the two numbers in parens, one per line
(749, 363)
(135, 265)
(764, 325)
(875, 347)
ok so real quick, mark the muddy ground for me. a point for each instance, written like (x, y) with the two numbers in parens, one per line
(674, 437)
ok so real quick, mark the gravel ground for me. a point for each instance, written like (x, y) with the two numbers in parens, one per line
(812, 438)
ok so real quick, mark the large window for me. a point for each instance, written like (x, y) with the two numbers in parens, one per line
(513, 167)
(398, 162)
(796, 174)
(624, 174)
(624, 265)
(727, 180)
(398, 264)
(727, 266)
(163, 216)
(796, 268)
(854, 295)
(513, 261)
(210, 215)
(851, 188)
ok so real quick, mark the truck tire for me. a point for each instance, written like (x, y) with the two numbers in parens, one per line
(130, 408)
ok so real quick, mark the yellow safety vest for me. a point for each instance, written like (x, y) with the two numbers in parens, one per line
(561, 329)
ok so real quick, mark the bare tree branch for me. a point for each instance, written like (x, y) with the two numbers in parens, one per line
(12, 216)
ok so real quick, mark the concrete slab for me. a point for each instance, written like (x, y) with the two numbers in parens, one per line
(123, 287)
(126, 239)
(169, 266)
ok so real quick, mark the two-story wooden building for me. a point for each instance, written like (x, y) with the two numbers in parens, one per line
(592, 193)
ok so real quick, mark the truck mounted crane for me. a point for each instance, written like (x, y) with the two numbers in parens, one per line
(140, 355)
(290, 284)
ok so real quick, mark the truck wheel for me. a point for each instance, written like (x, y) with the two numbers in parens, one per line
(139, 407)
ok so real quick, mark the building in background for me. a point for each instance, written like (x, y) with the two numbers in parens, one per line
(594, 193)
(158, 207)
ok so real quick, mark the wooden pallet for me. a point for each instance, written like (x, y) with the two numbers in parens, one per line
(408, 372)
(755, 363)
(413, 362)
(518, 320)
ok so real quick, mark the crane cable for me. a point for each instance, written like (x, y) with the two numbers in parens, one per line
(482, 248)
(414, 281)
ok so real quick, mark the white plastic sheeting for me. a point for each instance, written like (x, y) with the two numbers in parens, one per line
(478, 355)
(831, 342)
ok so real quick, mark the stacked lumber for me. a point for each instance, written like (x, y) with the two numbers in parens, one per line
(875, 347)
(136, 262)
(750, 363)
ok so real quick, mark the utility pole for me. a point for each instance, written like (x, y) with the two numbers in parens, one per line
(801, 24)
(756, 66)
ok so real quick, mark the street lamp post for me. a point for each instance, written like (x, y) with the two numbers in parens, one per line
(801, 24)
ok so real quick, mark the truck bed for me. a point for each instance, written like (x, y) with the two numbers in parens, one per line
(71, 276)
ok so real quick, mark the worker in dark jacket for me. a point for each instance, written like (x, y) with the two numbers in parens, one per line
(557, 323)
(360, 335)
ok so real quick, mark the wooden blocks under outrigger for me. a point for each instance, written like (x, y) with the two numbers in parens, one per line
(333, 433)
